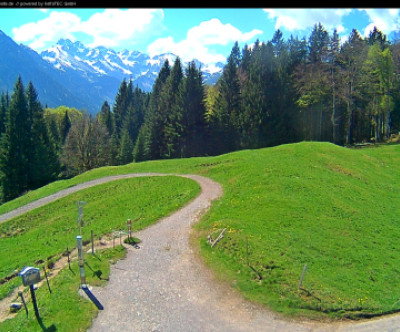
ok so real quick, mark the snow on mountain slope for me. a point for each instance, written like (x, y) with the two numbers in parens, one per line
(101, 61)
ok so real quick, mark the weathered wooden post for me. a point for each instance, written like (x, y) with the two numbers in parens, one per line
(129, 224)
(302, 275)
(47, 279)
(91, 236)
(81, 261)
(69, 260)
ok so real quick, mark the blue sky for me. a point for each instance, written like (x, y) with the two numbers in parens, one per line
(207, 34)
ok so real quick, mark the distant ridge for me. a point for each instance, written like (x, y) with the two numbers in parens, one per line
(74, 75)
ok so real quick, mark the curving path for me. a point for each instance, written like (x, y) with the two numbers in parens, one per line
(163, 286)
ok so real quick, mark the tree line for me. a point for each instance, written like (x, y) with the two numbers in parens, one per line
(280, 91)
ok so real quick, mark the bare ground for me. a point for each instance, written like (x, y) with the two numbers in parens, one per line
(164, 286)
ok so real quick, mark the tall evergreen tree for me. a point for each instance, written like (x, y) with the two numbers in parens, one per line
(121, 105)
(125, 155)
(154, 119)
(172, 113)
(105, 116)
(43, 160)
(193, 113)
(65, 126)
(4, 104)
(14, 160)
(228, 106)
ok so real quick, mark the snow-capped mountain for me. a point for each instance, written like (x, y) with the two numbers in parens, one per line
(73, 75)
(101, 61)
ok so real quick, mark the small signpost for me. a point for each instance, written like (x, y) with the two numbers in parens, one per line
(31, 276)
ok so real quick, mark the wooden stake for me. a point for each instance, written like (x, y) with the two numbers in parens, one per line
(302, 275)
(221, 236)
(47, 279)
(69, 261)
(247, 250)
(91, 235)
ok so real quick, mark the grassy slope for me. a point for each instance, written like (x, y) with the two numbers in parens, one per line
(46, 232)
(331, 208)
(64, 310)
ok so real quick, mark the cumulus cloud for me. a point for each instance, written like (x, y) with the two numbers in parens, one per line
(114, 26)
(109, 28)
(304, 18)
(200, 38)
(386, 20)
(38, 34)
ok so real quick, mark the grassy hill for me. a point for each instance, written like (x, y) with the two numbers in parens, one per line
(332, 208)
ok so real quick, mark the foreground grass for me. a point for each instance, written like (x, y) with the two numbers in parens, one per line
(43, 235)
(332, 208)
(64, 310)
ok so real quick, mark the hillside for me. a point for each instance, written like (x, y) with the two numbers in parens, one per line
(332, 208)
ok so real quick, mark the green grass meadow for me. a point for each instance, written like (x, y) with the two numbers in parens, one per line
(45, 233)
(333, 208)
(64, 309)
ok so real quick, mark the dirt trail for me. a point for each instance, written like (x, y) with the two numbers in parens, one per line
(163, 286)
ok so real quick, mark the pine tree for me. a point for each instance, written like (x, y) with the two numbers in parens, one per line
(121, 105)
(193, 113)
(4, 104)
(65, 126)
(228, 106)
(105, 116)
(171, 113)
(14, 162)
(154, 119)
(43, 162)
(125, 155)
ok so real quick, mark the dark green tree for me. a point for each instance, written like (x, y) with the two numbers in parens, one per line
(155, 117)
(65, 126)
(105, 116)
(125, 155)
(192, 111)
(43, 159)
(14, 159)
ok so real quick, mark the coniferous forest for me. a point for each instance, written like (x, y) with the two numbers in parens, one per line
(281, 91)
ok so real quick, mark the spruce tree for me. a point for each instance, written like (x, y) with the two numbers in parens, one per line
(120, 108)
(4, 104)
(126, 148)
(105, 116)
(43, 159)
(193, 113)
(14, 160)
(65, 126)
(154, 118)
(171, 114)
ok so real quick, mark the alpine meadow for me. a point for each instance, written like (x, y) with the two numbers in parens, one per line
(302, 135)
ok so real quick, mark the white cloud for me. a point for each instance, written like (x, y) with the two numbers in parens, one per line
(109, 28)
(386, 20)
(57, 25)
(304, 18)
(114, 26)
(199, 38)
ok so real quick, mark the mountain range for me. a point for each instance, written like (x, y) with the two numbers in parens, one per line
(71, 74)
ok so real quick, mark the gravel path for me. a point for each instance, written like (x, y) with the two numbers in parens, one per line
(163, 286)
(65, 192)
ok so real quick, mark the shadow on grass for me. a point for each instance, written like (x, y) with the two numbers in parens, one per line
(51, 328)
(96, 273)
